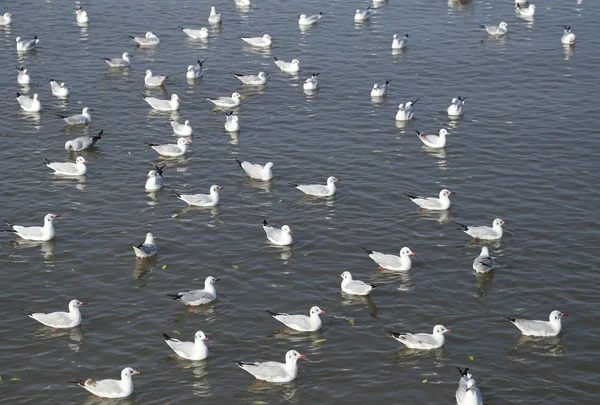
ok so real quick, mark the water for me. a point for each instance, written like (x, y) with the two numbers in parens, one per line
(525, 151)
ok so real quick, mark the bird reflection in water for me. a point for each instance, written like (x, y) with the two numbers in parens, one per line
(266, 186)
(47, 247)
(484, 283)
(207, 310)
(348, 299)
(543, 346)
(142, 267)
(294, 336)
(259, 391)
(76, 335)
(94, 400)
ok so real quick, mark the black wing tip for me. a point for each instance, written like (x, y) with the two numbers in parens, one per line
(464, 372)
(264, 222)
(513, 320)
(367, 250)
(239, 162)
(28, 313)
(175, 296)
(482, 26)
(62, 117)
(176, 194)
(167, 337)
(18, 94)
(294, 185)
(321, 13)
(373, 285)
(272, 313)
(200, 63)
(463, 227)
(151, 144)
(48, 161)
(159, 169)
(412, 197)
(418, 132)
(394, 334)
(239, 363)
(388, 81)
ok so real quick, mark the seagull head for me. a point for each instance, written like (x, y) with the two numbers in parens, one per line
(316, 311)
(440, 330)
(286, 229)
(406, 252)
(51, 217)
(346, 275)
(200, 336)
(76, 303)
(128, 372)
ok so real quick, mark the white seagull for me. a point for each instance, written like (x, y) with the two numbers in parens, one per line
(259, 42)
(154, 179)
(467, 392)
(83, 142)
(199, 297)
(498, 31)
(226, 102)
(301, 323)
(29, 104)
(406, 112)
(67, 168)
(59, 90)
(184, 129)
(23, 46)
(36, 233)
(110, 388)
(457, 108)
(252, 80)
(77, 119)
(423, 341)
(194, 72)
(525, 11)
(147, 40)
(399, 43)
(163, 105)
(484, 232)
(361, 16)
(23, 77)
(288, 67)
(273, 371)
(151, 80)
(232, 122)
(202, 200)
(313, 19)
(214, 18)
(82, 16)
(318, 190)
(380, 90)
(483, 263)
(568, 38)
(202, 33)
(355, 287)
(6, 20)
(195, 350)
(434, 141)
(121, 62)
(280, 237)
(171, 149)
(257, 171)
(242, 3)
(311, 83)
(441, 203)
(60, 320)
(146, 249)
(540, 328)
(393, 262)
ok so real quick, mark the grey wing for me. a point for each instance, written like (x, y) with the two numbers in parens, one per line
(196, 295)
(313, 189)
(170, 148)
(299, 321)
(25, 101)
(486, 261)
(423, 338)
(76, 119)
(538, 326)
(54, 318)
(269, 370)
(148, 249)
(64, 167)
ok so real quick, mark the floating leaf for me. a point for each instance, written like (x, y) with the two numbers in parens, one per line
(351, 320)
(221, 222)
(0, 378)
(164, 266)
(177, 332)
(471, 358)
(519, 309)
(123, 231)
(174, 215)
(235, 266)
(424, 381)
(15, 379)
(44, 389)
(188, 366)
(280, 201)
(305, 254)
(319, 341)
(377, 151)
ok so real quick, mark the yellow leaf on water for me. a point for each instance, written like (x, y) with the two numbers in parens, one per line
(519, 309)
(164, 267)
(424, 381)
(177, 332)
(319, 341)
(508, 122)
(123, 231)
(351, 320)
(280, 201)
(15, 379)
(471, 358)
(235, 266)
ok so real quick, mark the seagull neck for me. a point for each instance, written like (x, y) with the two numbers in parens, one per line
(126, 383)
(75, 313)
(210, 288)
(498, 229)
(405, 262)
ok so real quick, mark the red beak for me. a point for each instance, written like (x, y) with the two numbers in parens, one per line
(85, 303)
(565, 314)
(302, 356)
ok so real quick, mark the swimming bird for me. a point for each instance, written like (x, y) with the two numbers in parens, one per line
(393, 262)
(82, 16)
(23, 46)
(195, 350)
(6, 20)
(146, 249)
(151, 80)
(83, 142)
(406, 112)
(311, 83)
(252, 80)
(525, 11)
(484, 232)
(77, 119)
(288, 67)
(457, 108)
(184, 129)
(483, 263)
(540, 328)
(226, 102)
(301, 323)
(122, 62)
(194, 72)
(202, 200)
(431, 203)
(242, 3)
(36, 233)
(171, 149)
(434, 141)
(273, 371)
(232, 122)
(257, 171)
(467, 392)
(423, 341)
(163, 105)
(355, 287)
(498, 31)
(67, 168)
(29, 104)
(259, 42)
(59, 90)
(23, 77)
(154, 179)
(318, 190)
(361, 16)
(399, 43)
(202, 33)
(380, 90)
(110, 388)
(199, 297)
(280, 237)
(60, 320)
(214, 18)
(147, 40)
(313, 19)
(568, 38)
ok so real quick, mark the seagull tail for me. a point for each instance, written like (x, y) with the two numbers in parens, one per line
(412, 197)
(513, 320)
(272, 313)
(462, 226)
(463, 372)
(294, 185)
(167, 337)
(265, 223)
(28, 313)
(175, 296)
(367, 250)
(98, 136)
(176, 194)
(394, 334)
(62, 117)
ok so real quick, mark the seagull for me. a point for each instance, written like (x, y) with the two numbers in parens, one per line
(195, 72)
(393, 262)
(311, 83)
(256, 171)
(568, 38)
(380, 90)
(318, 190)
(457, 108)
(423, 341)
(163, 105)
(252, 80)
(110, 388)
(82, 16)
(301, 323)
(195, 350)
(288, 67)
(59, 90)
(171, 149)
(313, 19)
(184, 129)
(259, 42)
(232, 122)
(226, 102)
(540, 328)
(484, 232)
(67, 168)
(355, 287)
(526, 11)
(202, 33)
(60, 320)
(498, 31)
(154, 81)
(121, 62)
(280, 237)
(242, 2)
(361, 16)
(78, 119)
(434, 141)
(399, 43)
(202, 200)
(214, 18)
(146, 249)
(273, 371)
(23, 46)
(406, 112)
(29, 104)
(147, 40)
(23, 77)
(431, 203)
(467, 392)
(6, 20)
(199, 297)
(36, 233)
(521, 2)
(154, 180)
(483, 263)
(83, 142)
